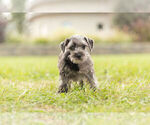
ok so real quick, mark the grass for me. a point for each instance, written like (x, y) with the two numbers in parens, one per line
(29, 84)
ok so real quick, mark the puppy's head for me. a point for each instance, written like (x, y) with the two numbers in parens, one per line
(78, 48)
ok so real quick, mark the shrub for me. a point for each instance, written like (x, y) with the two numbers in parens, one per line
(97, 38)
(141, 30)
(116, 37)
(134, 23)
(15, 38)
(41, 40)
(61, 34)
(119, 37)
(55, 38)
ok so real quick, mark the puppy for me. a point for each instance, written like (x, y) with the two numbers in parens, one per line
(75, 63)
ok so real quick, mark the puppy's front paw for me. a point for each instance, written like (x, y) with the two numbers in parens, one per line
(63, 89)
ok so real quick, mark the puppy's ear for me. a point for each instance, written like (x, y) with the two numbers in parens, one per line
(64, 44)
(90, 42)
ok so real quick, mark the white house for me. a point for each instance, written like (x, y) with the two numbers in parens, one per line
(82, 16)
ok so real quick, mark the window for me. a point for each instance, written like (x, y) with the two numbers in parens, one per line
(100, 26)
(66, 24)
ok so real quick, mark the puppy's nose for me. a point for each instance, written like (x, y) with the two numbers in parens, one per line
(78, 55)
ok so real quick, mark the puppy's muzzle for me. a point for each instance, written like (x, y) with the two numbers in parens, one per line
(78, 55)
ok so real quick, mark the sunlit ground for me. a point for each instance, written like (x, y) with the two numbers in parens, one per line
(28, 90)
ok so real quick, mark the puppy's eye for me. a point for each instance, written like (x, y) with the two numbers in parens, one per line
(83, 47)
(72, 48)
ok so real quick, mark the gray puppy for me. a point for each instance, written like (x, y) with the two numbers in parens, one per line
(75, 63)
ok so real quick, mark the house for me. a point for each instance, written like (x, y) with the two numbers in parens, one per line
(46, 17)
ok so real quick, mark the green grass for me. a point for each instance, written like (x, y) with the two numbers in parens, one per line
(28, 87)
(30, 84)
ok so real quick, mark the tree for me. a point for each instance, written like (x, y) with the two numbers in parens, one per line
(2, 29)
(133, 6)
(2, 25)
(18, 15)
(136, 23)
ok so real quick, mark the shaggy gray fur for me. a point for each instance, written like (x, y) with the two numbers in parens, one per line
(75, 62)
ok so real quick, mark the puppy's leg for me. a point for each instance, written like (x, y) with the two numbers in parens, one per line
(63, 88)
(81, 83)
(92, 80)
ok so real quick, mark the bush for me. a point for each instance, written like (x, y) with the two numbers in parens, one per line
(141, 30)
(97, 38)
(15, 38)
(116, 37)
(61, 34)
(57, 37)
(119, 37)
(41, 40)
(134, 23)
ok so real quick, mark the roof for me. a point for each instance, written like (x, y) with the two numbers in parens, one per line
(62, 6)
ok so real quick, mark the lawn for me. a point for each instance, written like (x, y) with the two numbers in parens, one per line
(29, 85)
